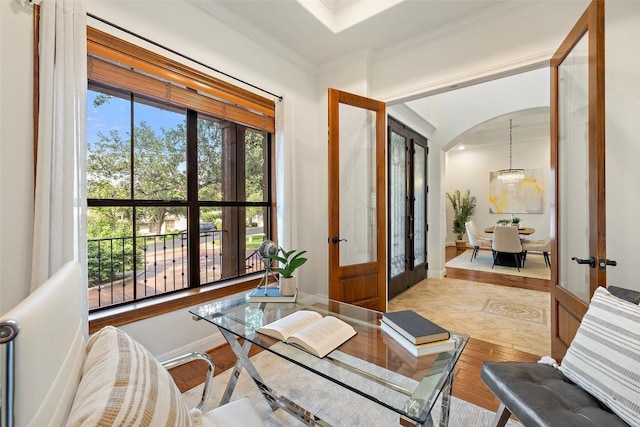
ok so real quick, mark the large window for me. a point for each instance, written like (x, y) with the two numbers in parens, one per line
(179, 181)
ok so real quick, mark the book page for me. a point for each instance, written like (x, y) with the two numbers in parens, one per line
(289, 325)
(323, 336)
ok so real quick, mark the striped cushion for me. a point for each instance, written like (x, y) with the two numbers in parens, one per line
(123, 384)
(604, 357)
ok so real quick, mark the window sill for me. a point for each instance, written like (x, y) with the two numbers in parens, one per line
(146, 309)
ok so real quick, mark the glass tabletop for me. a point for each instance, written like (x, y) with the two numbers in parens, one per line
(371, 363)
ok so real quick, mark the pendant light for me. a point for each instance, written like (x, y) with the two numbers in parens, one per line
(511, 176)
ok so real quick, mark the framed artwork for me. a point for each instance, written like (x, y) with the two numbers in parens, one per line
(521, 197)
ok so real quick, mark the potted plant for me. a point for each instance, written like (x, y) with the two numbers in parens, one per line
(464, 207)
(288, 261)
(503, 221)
(515, 221)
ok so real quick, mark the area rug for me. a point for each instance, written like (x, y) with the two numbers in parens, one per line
(534, 266)
(332, 403)
(508, 316)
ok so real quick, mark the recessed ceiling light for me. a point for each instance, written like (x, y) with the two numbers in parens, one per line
(461, 147)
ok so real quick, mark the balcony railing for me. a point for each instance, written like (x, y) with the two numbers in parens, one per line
(125, 269)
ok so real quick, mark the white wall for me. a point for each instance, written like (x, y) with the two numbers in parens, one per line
(469, 169)
(16, 152)
(622, 99)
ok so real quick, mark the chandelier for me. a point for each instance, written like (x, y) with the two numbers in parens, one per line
(511, 176)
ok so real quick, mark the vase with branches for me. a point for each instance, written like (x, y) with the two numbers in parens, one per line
(464, 207)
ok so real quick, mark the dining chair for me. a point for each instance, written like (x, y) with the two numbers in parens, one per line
(507, 240)
(542, 245)
(475, 240)
(479, 233)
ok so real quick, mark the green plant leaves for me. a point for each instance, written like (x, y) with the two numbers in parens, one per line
(289, 261)
(464, 207)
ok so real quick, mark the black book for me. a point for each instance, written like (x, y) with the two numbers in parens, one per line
(414, 327)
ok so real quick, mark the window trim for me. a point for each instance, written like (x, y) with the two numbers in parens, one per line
(104, 45)
(167, 303)
(113, 62)
(106, 73)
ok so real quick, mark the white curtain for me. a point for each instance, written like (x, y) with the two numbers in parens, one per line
(59, 218)
(285, 175)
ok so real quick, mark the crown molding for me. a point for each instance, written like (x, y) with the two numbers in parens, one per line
(480, 75)
(489, 14)
(362, 54)
(256, 35)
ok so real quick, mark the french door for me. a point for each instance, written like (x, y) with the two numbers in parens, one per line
(407, 157)
(357, 208)
(578, 172)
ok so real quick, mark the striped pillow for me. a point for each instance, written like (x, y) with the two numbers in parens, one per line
(604, 357)
(123, 384)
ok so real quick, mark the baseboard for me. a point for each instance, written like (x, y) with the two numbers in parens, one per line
(450, 244)
(204, 345)
(436, 274)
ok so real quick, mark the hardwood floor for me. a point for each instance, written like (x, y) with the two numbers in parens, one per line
(467, 384)
(494, 278)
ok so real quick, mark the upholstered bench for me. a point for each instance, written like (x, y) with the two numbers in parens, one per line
(598, 383)
(55, 377)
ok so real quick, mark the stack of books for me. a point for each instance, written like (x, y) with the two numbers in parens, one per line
(272, 294)
(418, 335)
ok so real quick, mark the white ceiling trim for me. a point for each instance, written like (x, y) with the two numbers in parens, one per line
(497, 71)
(255, 34)
(488, 15)
(339, 63)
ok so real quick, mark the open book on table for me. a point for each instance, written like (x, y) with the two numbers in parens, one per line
(310, 331)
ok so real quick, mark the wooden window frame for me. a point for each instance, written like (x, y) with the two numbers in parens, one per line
(117, 63)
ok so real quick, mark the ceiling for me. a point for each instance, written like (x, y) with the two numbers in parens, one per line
(312, 33)
(528, 126)
(321, 31)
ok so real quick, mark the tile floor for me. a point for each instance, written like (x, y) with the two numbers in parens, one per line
(512, 317)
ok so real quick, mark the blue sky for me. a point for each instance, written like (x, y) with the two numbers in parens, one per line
(115, 114)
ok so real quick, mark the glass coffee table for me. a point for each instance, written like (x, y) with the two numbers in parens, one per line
(370, 364)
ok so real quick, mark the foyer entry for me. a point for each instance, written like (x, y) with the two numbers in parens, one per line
(407, 175)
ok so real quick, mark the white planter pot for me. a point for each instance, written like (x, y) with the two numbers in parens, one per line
(287, 286)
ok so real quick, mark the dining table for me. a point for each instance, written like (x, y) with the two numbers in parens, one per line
(525, 231)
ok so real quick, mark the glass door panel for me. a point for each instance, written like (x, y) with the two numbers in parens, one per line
(573, 166)
(419, 223)
(577, 171)
(398, 197)
(357, 159)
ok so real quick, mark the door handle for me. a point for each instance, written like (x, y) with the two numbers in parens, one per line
(603, 262)
(591, 261)
(336, 239)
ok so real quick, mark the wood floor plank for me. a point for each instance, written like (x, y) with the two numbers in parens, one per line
(467, 383)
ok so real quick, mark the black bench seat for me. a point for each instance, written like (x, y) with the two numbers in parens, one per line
(539, 395)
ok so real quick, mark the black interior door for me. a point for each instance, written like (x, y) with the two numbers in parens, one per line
(407, 163)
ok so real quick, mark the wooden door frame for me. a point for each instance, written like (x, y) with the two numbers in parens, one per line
(566, 309)
(379, 267)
